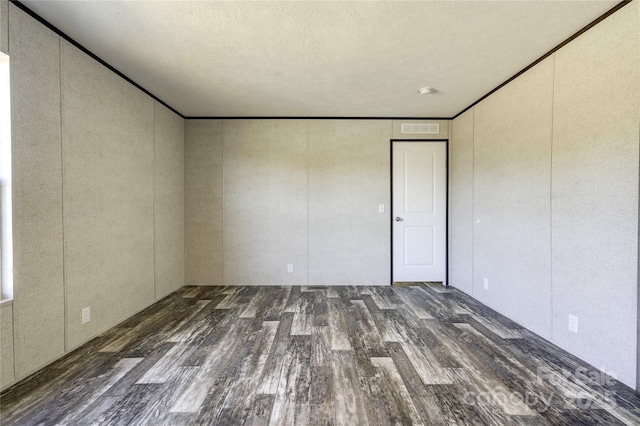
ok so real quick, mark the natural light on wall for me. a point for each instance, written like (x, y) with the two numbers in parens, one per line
(5, 179)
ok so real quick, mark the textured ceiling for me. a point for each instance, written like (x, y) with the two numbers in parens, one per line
(348, 59)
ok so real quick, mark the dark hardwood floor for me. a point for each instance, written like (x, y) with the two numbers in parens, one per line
(418, 354)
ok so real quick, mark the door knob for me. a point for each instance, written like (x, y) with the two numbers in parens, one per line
(399, 219)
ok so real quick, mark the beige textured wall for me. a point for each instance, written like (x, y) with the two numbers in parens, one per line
(348, 179)
(4, 26)
(37, 193)
(7, 372)
(108, 196)
(168, 200)
(511, 199)
(460, 250)
(69, 112)
(203, 202)
(589, 208)
(295, 191)
(595, 193)
(265, 202)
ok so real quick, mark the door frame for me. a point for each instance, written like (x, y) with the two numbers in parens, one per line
(446, 248)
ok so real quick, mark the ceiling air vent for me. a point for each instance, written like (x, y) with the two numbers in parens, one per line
(420, 129)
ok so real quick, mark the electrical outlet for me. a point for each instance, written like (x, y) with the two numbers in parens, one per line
(485, 282)
(573, 323)
(86, 315)
(290, 268)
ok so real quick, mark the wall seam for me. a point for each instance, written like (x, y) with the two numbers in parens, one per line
(553, 92)
(9, 38)
(184, 203)
(153, 209)
(308, 205)
(13, 349)
(222, 198)
(473, 199)
(390, 153)
(64, 271)
(13, 311)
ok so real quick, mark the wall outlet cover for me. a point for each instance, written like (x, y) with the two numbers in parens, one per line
(573, 323)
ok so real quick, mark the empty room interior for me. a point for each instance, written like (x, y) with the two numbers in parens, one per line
(336, 213)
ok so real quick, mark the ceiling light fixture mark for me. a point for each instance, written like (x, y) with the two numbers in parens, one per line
(426, 90)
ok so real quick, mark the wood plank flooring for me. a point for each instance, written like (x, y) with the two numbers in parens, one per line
(413, 355)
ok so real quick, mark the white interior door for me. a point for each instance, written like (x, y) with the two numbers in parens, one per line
(419, 211)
